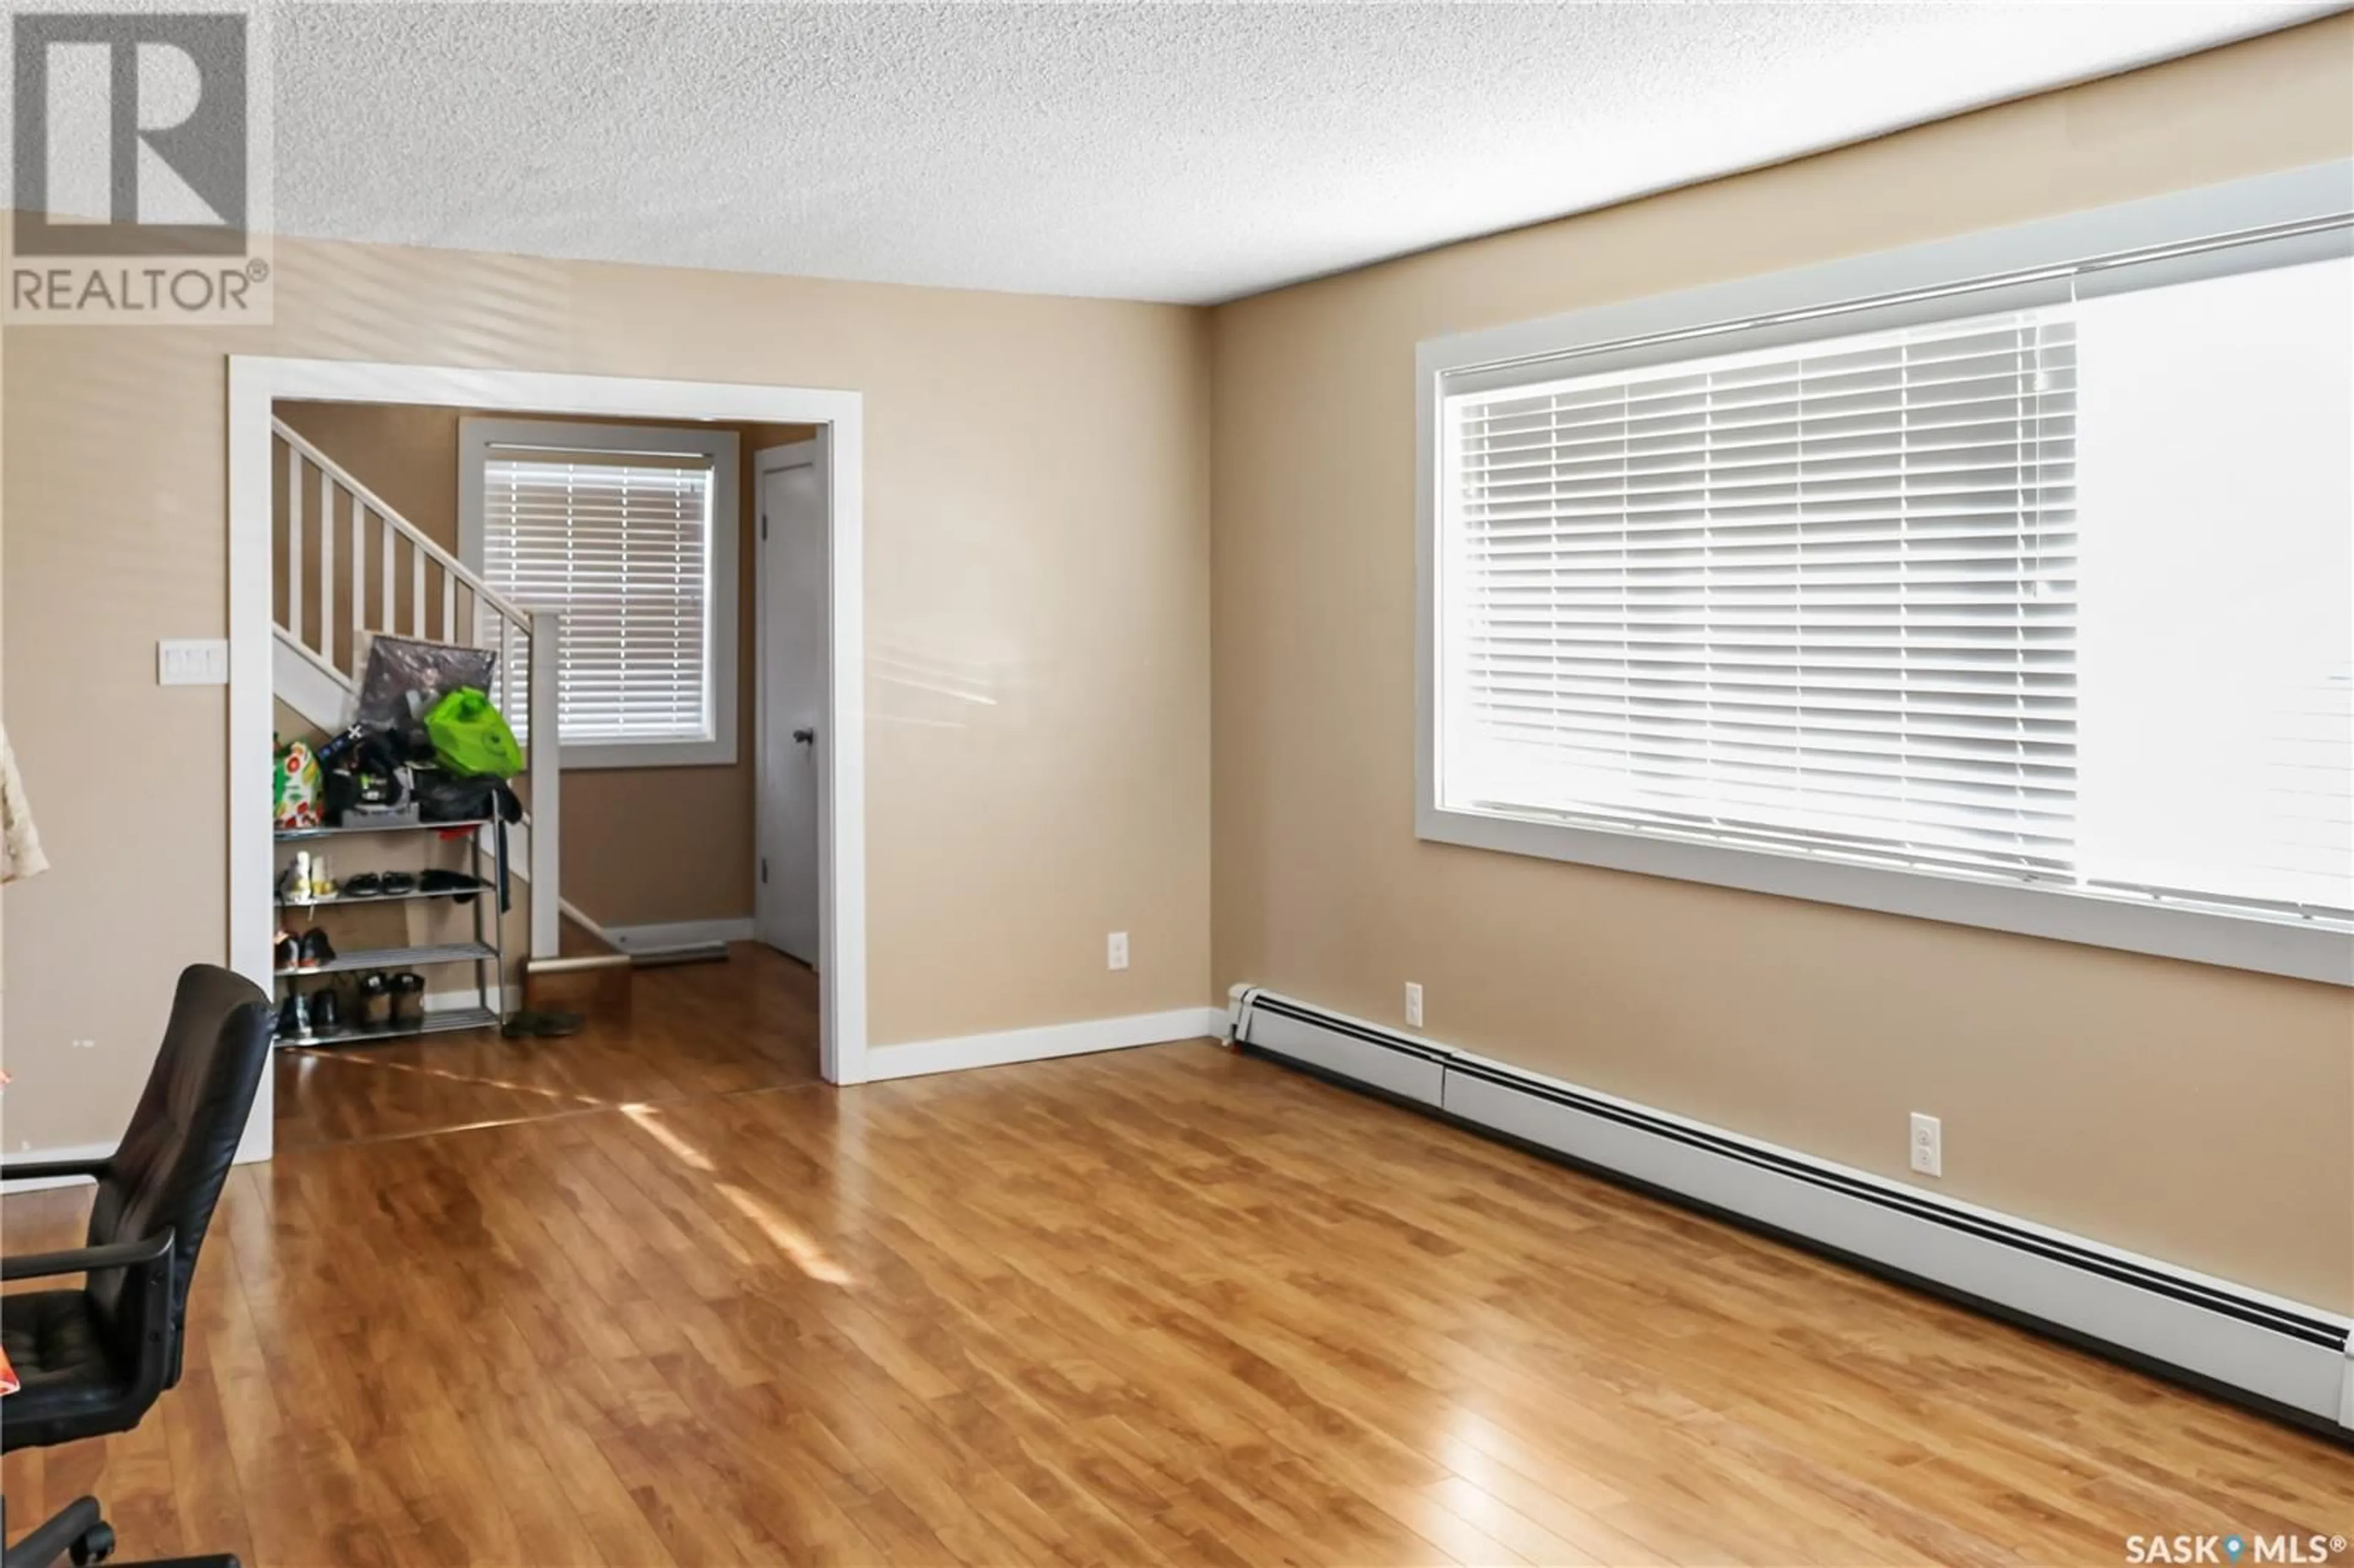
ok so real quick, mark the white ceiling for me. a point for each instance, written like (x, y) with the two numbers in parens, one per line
(1162, 152)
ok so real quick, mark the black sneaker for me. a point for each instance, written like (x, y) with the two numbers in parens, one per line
(315, 949)
(293, 1021)
(461, 884)
(326, 1012)
(286, 952)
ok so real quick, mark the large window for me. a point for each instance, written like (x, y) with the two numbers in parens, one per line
(2021, 597)
(630, 533)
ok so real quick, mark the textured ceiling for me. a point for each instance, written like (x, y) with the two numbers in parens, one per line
(1181, 152)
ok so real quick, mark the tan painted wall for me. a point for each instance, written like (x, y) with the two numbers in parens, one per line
(1052, 557)
(691, 829)
(2198, 1114)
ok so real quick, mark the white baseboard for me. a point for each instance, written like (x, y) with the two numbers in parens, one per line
(678, 934)
(922, 1056)
(2290, 1356)
(37, 1156)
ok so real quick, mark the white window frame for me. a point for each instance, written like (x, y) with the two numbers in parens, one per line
(2296, 212)
(723, 650)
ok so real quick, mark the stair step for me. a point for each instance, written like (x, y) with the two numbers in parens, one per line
(599, 988)
(575, 963)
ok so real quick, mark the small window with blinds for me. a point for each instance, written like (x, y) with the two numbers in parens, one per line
(2037, 590)
(622, 530)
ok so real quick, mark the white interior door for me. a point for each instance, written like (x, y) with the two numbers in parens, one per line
(792, 672)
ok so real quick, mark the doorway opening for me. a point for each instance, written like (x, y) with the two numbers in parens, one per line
(805, 739)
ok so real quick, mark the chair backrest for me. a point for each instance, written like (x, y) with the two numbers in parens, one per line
(174, 1158)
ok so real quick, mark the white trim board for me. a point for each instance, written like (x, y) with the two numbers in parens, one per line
(41, 1156)
(678, 934)
(2287, 1355)
(917, 1058)
(256, 383)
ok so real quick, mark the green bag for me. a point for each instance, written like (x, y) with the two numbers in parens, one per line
(470, 737)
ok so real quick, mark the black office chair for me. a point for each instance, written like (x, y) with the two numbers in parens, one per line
(91, 1361)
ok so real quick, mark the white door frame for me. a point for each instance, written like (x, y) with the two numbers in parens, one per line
(257, 382)
(766, 462)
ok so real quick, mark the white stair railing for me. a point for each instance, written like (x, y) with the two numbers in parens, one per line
(350, 566)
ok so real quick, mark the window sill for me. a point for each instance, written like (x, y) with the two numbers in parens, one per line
(2266, 945)
(650, 753)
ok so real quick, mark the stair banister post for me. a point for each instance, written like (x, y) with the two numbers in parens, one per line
(546, 785)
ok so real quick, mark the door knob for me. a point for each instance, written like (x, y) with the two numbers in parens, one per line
(805, 736)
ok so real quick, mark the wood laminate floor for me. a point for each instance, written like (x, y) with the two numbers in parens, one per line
(654, 1295)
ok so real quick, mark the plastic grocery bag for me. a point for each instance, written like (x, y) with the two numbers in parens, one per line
(471, 737)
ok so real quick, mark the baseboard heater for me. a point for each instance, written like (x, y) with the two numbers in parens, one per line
(2289, 1360)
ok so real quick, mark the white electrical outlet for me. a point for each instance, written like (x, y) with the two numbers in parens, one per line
(1413, 1005)
(1928, 1144)
(1116, 950)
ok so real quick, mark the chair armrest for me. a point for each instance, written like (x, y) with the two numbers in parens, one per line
(49, 1170)
(87, 1259)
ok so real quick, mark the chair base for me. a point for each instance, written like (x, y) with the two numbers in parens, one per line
(77, 1534)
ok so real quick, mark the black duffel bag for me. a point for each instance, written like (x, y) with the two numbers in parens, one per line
(444, 797)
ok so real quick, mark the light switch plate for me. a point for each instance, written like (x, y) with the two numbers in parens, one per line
(192, 661)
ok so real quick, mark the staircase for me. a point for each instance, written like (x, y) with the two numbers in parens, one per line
(350, 568)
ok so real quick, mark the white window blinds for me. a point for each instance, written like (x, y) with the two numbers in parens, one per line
(1818, 597)
(2061, 596)
(622, 547)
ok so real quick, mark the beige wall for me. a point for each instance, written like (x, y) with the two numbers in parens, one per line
(691, 829)
(1050, 558)
(2198, 1114)
(1039, 634)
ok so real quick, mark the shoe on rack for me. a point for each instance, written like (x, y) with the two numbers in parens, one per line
(399, 884)
(367, 884)
(408, 998)
(315, 949)
(286, 953)
(326, 1012)
(293, 1019)
(463, 885)
(374, 1009)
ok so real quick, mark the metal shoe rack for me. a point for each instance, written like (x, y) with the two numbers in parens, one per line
(486, 951)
